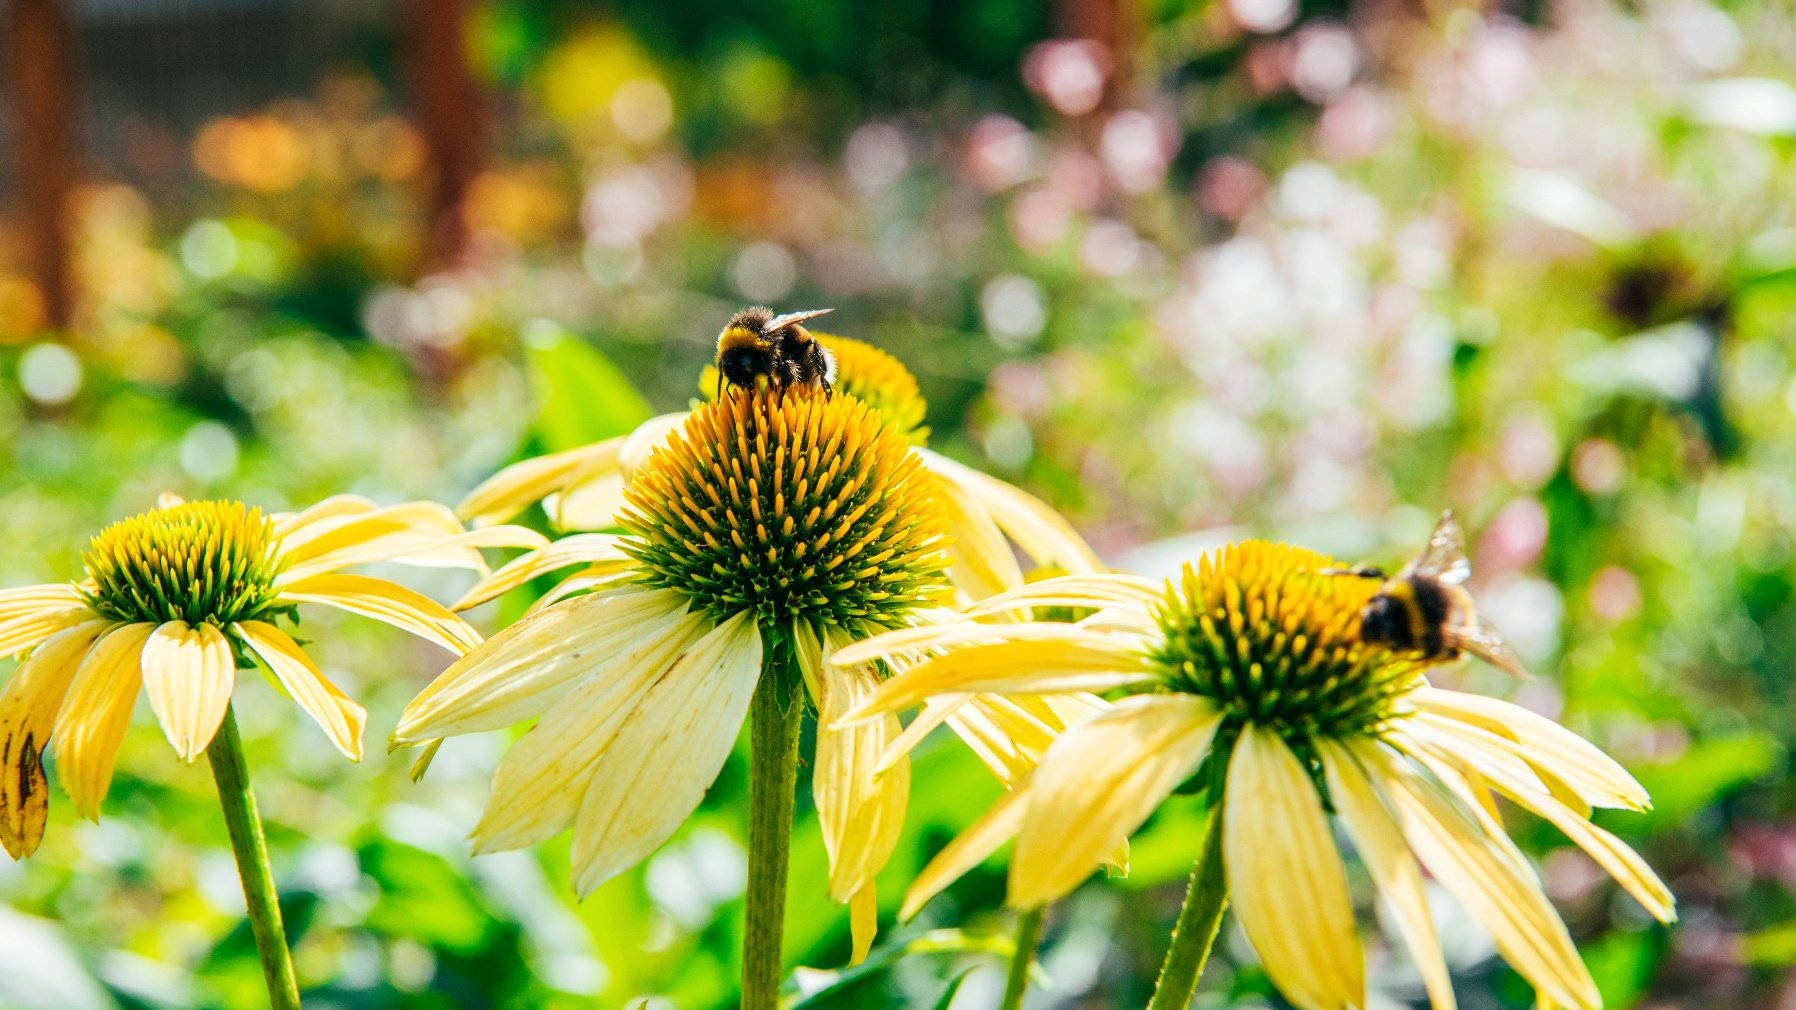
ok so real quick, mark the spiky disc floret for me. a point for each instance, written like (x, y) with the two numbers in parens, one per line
(795, 506)
(870, 375)
(201, 561)
(1258, 628)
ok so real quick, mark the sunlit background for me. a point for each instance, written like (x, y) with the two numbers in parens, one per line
(1187, 270)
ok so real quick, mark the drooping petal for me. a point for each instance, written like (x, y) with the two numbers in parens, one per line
(983, 562)
(1597, 777)
(1460, 744)
(863, 922)
(861, 812)
(523, 671)
(654, 770)
(335, 507)
(1394, 869)
(28, 709)
(1042, 533)
(335, 712)
(188, 672)
(605, 575)
(1095, 591)
(1098, 783)
(33, 601)
(588, 503)
(407, 530)
(999, 824)
(1044, 659)
(520, 485)
(95, 713)
(387, 602)
(1486, 873)
(538, 784)
(36, 626)
(1286, 879)
(584, 548)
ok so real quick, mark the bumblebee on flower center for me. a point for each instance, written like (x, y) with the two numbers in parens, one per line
(1262, 631)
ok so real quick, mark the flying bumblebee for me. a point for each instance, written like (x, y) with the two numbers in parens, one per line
(1426, 609)
(756, 343)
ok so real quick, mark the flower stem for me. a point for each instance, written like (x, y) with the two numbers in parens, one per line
(774, 722)
(1199, 919)
(1028, 934)
(250, 848)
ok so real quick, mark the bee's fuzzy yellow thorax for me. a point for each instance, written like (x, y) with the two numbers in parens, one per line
(736, 338)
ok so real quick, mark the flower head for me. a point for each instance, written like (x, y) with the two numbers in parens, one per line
(175, 601)
(794, 507)
(1255, 679)
(790, 524)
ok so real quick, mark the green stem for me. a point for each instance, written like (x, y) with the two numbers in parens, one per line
(250, 848)
(1028, 934)
(1199, 920)
(776, 715)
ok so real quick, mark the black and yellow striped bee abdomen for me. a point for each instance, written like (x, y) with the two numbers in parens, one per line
(1410, 615)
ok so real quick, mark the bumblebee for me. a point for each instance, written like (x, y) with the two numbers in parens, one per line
(1425, 608)
(756, 343)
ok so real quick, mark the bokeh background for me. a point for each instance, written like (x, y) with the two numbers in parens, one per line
(1313, 269)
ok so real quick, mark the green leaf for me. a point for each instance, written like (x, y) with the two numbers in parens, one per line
(953, 987)
(1623, 965)
(819, 986)
(581, 396)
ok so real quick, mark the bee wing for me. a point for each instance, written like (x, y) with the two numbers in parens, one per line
(1444, 557)
(779, 322)
(1481, 639)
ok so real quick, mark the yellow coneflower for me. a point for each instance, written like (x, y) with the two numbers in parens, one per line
(768, 531)
(174, 602)
(582, 489)
(1257, 683)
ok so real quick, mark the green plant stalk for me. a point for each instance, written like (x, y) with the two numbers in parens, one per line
(1199, 919)
(1028, 934)
(250, 848)
(776, 716)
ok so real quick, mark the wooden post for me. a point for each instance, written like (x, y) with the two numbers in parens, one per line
(40, 54)
(451, 113)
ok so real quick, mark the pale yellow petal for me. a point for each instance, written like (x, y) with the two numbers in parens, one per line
(860, 811)
(591, 504)
(538, 784)
(523, 671)
(32, 601)
(36, 626)
(95, 712)
(1486, 873)
(983, 563)
(1394, 869)
(652, 773)
(971, 847)
(935, 712)
(335, 712)
(1045, 659)
(1094, 591)
(415, 532)
(1464, 745)
(593, 577)
(1597, 777)
(387, 602)
(1098, 783)
(1285, 876)
(517, 487)
(188, 673)
(335, 507)
(650, 435)
(28, 709)
(863, 921)
(584, 548)
(1047, 538)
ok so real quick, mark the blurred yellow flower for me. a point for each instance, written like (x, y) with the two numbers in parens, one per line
(1260, 686)
(175, 601)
